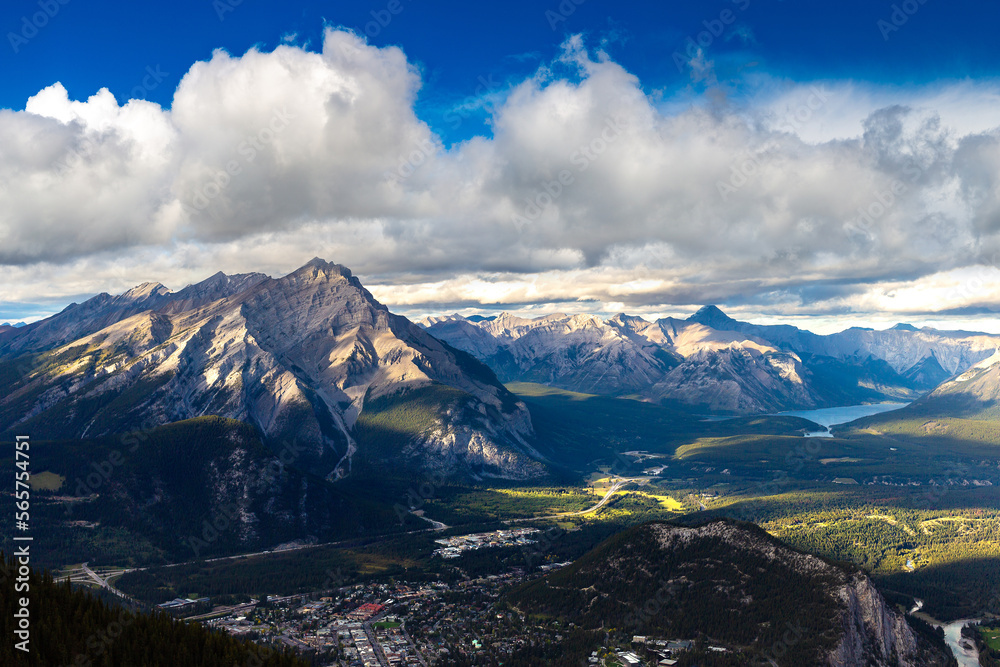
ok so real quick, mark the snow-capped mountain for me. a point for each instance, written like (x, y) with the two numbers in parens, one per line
(299, 357)
(903, 346)
(713, 361)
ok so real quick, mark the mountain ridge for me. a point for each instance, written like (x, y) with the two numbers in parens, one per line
(297, 357)
(713, 362)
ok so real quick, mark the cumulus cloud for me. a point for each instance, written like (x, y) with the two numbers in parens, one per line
(803, 196)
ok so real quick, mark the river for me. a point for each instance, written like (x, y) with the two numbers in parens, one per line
(828, 417)
(965, 652)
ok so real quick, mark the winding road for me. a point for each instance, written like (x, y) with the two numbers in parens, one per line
(617, 486)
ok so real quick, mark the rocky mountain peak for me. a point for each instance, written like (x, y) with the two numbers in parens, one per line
(712, 316)
(582, 321)
(320, 282)
(431, 320)
(625, 318)
(508, 321)
(217, 278)
(633, 324)
(216, 286)
(317, 266)
(145, 291)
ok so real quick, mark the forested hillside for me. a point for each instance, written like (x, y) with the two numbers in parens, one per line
(71, 627)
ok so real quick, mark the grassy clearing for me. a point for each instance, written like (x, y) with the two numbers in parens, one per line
(992, 637)
(507, 503)
(46, 481)
(669, 503)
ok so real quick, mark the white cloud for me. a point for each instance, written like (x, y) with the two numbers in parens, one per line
(802, 197)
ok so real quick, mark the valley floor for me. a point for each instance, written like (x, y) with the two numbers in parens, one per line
(916, 510)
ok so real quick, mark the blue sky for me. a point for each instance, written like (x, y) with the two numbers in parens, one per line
(460, 46)
(757, 141)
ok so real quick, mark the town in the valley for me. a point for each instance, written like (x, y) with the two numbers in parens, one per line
(418, 624)
(410, 624)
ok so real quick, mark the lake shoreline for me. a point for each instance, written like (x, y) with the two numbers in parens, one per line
(827, 418)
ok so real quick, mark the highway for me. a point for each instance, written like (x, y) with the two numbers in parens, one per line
(85, 575)
(617, 486)
(223, 611)
(246, 606)
(435, 526)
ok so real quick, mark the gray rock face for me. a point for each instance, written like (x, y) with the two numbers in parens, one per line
(714, 362)
(297, 357)
(874, 634)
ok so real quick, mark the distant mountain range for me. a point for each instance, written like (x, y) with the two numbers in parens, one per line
(310, 358)
(713, 362)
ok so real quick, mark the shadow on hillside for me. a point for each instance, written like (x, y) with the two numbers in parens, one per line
(950, 591)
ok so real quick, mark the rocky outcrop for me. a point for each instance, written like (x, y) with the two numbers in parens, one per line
(874, 634)
(975, 393)
(871, 632)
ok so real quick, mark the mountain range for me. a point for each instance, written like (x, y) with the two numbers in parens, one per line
(299, 357)
(712, 362)
(312, 359)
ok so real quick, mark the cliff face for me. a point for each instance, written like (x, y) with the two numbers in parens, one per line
(874, 634)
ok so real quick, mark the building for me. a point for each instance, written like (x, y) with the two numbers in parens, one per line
(185, 605)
